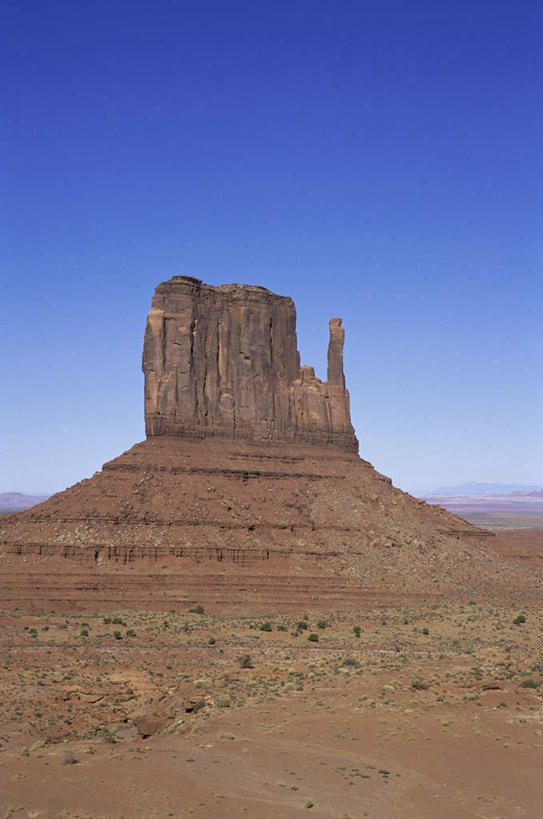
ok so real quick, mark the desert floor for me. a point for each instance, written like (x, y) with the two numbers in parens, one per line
(431, 712)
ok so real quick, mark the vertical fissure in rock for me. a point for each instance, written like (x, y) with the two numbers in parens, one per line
(164, 343)
(272, 371)
(193, 375)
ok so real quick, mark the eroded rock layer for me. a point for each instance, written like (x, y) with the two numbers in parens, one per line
(243, 526)
(223, 361)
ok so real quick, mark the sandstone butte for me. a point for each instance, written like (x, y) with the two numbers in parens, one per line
(248, 493)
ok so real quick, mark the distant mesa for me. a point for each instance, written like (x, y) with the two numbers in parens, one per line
(17, 501)
(223, 361)
(475, 488)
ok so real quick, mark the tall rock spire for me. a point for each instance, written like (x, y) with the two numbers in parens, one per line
(223, 361)
(335, 353)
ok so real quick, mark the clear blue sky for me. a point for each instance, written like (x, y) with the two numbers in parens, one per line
(379, 161)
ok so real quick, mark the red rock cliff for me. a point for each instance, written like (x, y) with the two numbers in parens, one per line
(222, 361)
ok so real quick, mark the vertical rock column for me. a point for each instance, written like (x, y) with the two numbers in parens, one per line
(335, 353)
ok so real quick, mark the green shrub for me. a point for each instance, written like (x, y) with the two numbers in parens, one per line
(199, 609)
(266, 627)
(518, 620)
(117, 635)
(420, 685)
(108, 737)
(314, 638)
(322, 624)
(302, 625)
(357, 631)
(529, 683)
(349, 662)
(245, 661)
(212, 641)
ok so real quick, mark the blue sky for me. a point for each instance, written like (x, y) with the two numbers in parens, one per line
(376, 161)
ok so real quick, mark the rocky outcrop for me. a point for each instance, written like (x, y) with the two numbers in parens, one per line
(247, 495)
(223, 361)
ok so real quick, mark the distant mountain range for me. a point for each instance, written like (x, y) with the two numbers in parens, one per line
(18, 501)
(474, 488)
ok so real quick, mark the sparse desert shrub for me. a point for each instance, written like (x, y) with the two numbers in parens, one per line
(212, 641)
(84, 632)
(266, 627)
(199, 609)
(130, 633)
(108, 737)
(222, 703)
(420, 685)
(245, 661)
(356, 631)
(322, 624)
(117, 635)
(68, 758)
(314, 638)
(519, 620)
(530, 683)
(198, 705)
(302, 625)
(349, 662)
(425, 631)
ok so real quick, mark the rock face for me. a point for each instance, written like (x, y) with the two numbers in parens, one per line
(222, 361)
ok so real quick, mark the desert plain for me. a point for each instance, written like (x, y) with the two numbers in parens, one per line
(384, 712)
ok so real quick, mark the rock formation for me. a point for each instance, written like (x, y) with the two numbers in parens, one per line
(222, 361)
(248, 493)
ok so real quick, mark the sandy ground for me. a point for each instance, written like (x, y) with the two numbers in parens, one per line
(431, 712)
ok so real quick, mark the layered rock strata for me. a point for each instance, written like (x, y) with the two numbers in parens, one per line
(244, 526)
(223, 361)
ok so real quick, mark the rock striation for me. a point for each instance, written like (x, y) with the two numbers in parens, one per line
(223, 361)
